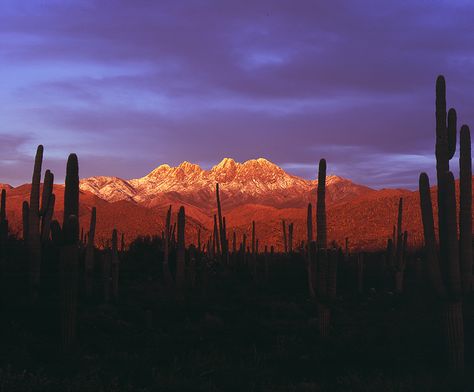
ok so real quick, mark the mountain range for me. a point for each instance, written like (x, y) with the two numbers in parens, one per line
(255, 190)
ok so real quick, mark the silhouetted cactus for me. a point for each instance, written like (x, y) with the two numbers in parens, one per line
(400, 252)
(285, 243)
(327, 260)
(34, 239)
(321, 228)
(215, 239)
(448, 270)
(69, 266)
(222, 230)
(71, 190)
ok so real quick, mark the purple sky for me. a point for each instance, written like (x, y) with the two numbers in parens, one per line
(129, 85)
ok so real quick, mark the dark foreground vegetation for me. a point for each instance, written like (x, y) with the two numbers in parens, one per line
(230, 314)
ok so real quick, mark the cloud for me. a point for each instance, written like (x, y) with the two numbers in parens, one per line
(129, 85)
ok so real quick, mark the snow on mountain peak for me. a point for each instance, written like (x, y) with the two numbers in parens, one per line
(253, 178)
(189, 167)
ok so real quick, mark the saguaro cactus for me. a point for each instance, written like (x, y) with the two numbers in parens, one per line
(450, 270)
(215, 240)
(34, 240)
(321, 229)
(69, 265)
(290, 237)
(222, 230)
(71, 193)
(400, 252)
(285, 243)
(47, 205)
(69, 254)
(326, 260)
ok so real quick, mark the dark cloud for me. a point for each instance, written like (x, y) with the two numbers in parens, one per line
(132, 84)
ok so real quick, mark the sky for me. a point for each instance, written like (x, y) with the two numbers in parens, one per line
(129, 85)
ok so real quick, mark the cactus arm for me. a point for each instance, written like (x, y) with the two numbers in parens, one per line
(429, 235)
(71, 191)
(451, 131)
(47, 191)
(47, 218)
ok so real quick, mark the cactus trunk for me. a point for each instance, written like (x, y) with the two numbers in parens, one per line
(321, 228)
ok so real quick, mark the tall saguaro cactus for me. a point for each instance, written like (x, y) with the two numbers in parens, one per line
(400, 251)
(69, 255)
(321, 229)
(222, 230)
(34, 239)
(326, 260)
(450, 270)
(47, 205)
(71, 193)
(69, 267)
(285, 243)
